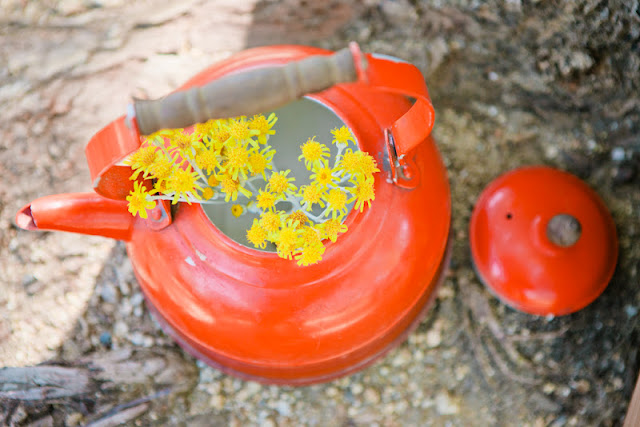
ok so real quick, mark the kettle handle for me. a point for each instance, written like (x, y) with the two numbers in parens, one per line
(250, 92)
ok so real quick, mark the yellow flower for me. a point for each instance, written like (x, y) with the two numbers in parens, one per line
(259, 161)
(142, 160)
(342, 136)
(336, 202)
(230, 187)
(257, 235)
(236, 210)
(160, 187)
(368, 165)
(263, 126)
(310, 236)
(270, 221)
(183, 145)
(206, 160)
(138, 202)
(310, 254)
(287, 242)
(239, 129)
(364, 193)
(323, 175)
(219, 134)
(313, 152)
(237, 160)
(311, 194)
(203, 130)
(350, 162)
(359, 164)
(183, 183)
(213, 181)
(266, 200)
(298, 219)
(332, 227)
(162, 168)
(208, 193)
(280, 184)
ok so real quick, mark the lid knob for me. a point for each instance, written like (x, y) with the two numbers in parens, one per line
(564, 230)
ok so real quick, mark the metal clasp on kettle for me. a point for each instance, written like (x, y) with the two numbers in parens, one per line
(402, 169)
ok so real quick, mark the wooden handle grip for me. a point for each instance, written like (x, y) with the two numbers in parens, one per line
(246, 93)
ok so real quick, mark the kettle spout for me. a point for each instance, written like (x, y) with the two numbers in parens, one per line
(86, 213)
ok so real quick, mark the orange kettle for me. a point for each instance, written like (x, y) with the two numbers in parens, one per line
(249, 312)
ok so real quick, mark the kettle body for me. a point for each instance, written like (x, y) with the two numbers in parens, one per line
(257, 316)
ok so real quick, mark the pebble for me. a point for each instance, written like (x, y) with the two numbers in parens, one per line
(371, 395)
(618, 154)
(331, 391)
(357, 388)
(445, 405)
(217, 401)
(581, 386)
(73, 419)
(120, 329)
(108, 293)
(136, 299)
(105, 339)
(630, 310)
(283, 408)
(433, 338)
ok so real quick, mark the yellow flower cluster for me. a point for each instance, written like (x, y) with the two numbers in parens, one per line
(216, 157)
(222, 159)
(300, 234)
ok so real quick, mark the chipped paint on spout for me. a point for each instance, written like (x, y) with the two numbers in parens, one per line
(190, 261)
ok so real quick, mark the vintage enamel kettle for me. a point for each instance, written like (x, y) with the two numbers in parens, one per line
(251, 313)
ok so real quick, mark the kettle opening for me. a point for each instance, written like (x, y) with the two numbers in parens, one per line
(297, 122)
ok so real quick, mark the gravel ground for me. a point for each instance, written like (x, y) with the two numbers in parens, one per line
(514, 83)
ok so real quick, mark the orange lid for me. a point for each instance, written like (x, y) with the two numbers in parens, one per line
(543, 241)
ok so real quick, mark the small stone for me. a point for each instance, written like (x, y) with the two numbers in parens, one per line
(445, 405)
(137, 299)
(617, 383)
(433, 338)
(401, 358)
(565, 391)
(105, 339)
(108, 293)
(283, 408)
(120, 329)
(372, 396)
(73, 419)
(125, 289)
(461, 372)
(581, 386)
(548, 388)
(493, 76)
(618, 154)
(630, 310)
(217, 401)
(331, 391)
(357, 389)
